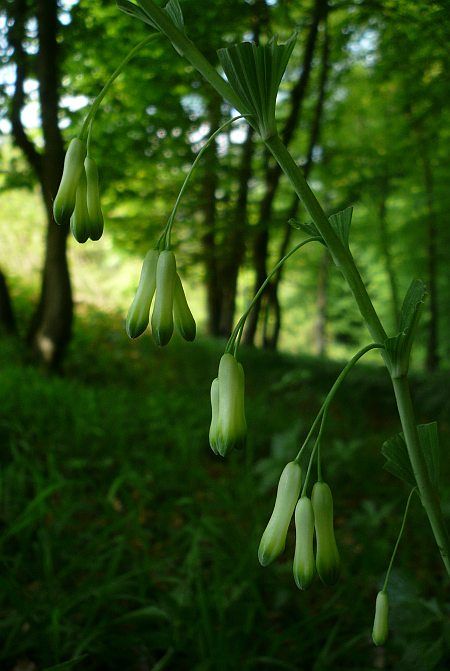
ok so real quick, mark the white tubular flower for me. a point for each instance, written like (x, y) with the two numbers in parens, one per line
(304, 565)
(162, 316)
(184, 321)
(274, 537)
(231, 424)
(139, 312)
(64, 203)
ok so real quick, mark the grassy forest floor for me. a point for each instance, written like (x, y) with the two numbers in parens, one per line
(126, 544)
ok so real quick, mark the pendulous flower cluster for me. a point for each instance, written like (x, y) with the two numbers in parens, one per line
(159, 280)
(78, 197)
(313, 517)
(228, 428)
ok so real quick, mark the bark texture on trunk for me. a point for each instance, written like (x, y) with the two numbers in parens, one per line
(432, 359)
(387, 254)
(320, 330)
(213, 293)
(234, 247)
(50, 327)
(7, 318)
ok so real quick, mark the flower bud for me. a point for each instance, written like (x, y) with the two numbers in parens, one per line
(79, 221)
(184, 321)
(304, 565)
(327, 555)
(213, 438)
(231, 425)
(93, 199)
(162, 317)
(274, 537)
(64, 203)
(139, 312)
(381, 623)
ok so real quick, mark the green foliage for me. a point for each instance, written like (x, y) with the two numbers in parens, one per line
(122, 539)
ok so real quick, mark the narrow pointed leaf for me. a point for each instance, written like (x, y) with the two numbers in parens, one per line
(136, 12)
(399, 347)
(429, 441)
(174, 11)
(341, 222)
(412, 304)
(310, 229)
(397, 459)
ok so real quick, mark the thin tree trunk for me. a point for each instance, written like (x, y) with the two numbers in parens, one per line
(386, 251)
(273, 173)
(432, 359)
(213, 292)
(320, 329)
(234, 246)
(7, 318)
(272, 303)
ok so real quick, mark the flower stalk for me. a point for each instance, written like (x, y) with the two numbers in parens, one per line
(342, 258)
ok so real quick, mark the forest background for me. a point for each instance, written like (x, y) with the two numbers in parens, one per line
(101, 534)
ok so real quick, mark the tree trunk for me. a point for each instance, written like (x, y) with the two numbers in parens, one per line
(432, 358)
(272, 303)
(7, 318)
(234, 247)
(273, 173)
(322, 304)
(213, 293)
(386, 251)
(50, 326)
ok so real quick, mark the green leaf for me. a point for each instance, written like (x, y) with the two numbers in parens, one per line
(172, 8)
(341, 222)
(397, 459)
(174, 11)
(310, 228)
(133, 10)
(429, 441)
(412, 304)
(254, 72)
(399, 347)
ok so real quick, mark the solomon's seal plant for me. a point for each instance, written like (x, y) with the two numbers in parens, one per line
(253, 75)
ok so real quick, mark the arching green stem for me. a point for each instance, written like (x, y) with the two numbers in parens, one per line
(235, 337)
(323, 412)
(165, 237)
(97, 102)
(399, 537)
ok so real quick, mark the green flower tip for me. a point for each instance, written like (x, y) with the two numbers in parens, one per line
(79, 221)
(304, 565)
(274, 537)
(162, 316)
(327, 554)
(228, 428)
(93, 199)
(381, 621)
(184, 321)
(64, 203)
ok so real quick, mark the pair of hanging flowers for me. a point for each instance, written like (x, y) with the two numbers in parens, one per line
(78, 199)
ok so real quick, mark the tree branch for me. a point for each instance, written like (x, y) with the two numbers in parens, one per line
(16, 36)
